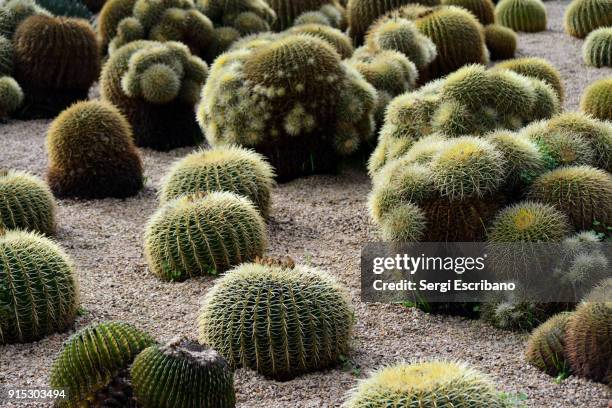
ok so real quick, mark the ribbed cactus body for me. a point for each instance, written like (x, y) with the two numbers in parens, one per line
(340, 42)
(111, 15)
(587, 341)
(66, 8)
(546, 346)
(538, 68)
(426, 384)
(232, 169)
(92, 154)
(6, 56)
(13, 12)
(560, 147)
(11, 96)
(597, 99)
(38, 287)
(182, 374)
(521, 15)
(93, 358)
(288, 10)
(26, 203)
(279, 321)
(203, 234)
(583, 16)
(597, 48)
(529, 221)
(484, 10)
(247, 16)
(524, 161)
(501, 41)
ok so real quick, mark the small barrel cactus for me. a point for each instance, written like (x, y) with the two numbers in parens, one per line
(6, 56)
(66, 8)
(26, 203)
(92, 365)
(247, 16)
(38, 287)
(583, 16)
(307, 318)
(425, 384)
(521, 15)
(484, 10)
(582, 192)
(112, 13)
(529, 222)
(501, 41)
(597, 48)
(182, 374)
(560, 147)
(56, 62)
(404, 223)
(538, 68)
(546, 346)
(587, 341)
(11, 96)
(156, 86)
(597, 99)
(14, 12)
(340, 42)
(203, 234)
(288, 10)
(234, 169)
(92, 154)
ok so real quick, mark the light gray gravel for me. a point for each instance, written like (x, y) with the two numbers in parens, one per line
(320, 220)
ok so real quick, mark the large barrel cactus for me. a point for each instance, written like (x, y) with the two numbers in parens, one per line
(597, 99)
(156, 86)
(583, 16)
(484, 10)
(597, 48)
(92, 154)
(26, 203)
(203, 234)
(521, 15)
(529, 222)
(282, 321)
(182, 374)
(426, 384)
(537, 68)
(92, 365)
(38, 287)
(11, 96)
(501, 41)
(546, 346)
(291, 99)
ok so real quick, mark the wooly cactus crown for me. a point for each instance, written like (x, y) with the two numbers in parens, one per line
(484, 10)
(537, 68)
(583, 16)
(92, 154)
(287, 11)
(291, 99)
(597, 99)
(11, 96)
(501, 41)
(230, 168)
(26, 203)
(529, 222)
(156, 85)
(425, 384)
(546, 346)
(307, 314)
(38, 287)
(521, 15)
(203, 234)
(597, 48)
(182, 374)
(92, 364)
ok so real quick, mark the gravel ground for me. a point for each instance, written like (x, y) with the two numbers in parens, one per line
(320, 220)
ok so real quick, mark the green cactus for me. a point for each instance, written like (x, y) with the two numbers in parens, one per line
(560, 147)
(529, 221)
(93, 363)
(11, 96)
(587, 341)
(582, 192)
(156, 85)
(484, 10)
(524, 162)
(6, 56)
(92, 154)
(13, 12)
(290, 98)
(546, 346)
(426, 384)
(203, 234)
(182, 374)
(340, 42)
(250, 23)
(38, 287)
(66, 8)
(56, 62)
(231, 168)
(111, 15)
(521, 15)
(288, 10)
(516, 315)
(597, 99)
(312, 17)
(501, 41)
(404, 223)
(538, 68)
(601, 292)
(26, 203)
(94, 5)
(247, 16)
(308, 319)
(597, 48)
(583, 16)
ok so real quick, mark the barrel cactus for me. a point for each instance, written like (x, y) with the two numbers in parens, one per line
(307, 318)
(66, 8)
(92, 365)
(501, 41)
(203, 234)
(521, 15)
(597, 99)
(182, 374)
(587, 341)
(230, 168)
(597, 48)
(582, 192)
(290, 98)
(529, 221)
(14, 12)
(484, 10)
(26, 203)
(6, 56)
(583, 16)
(546, 346)
(38, 287)
(11, 96)
(425, 384)
(560, 147)
(92, 154)
(112, 13)
(288, 10)
(337, 39)
(538, 68)
(156, 86)
(247, 16)
(56, 62)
